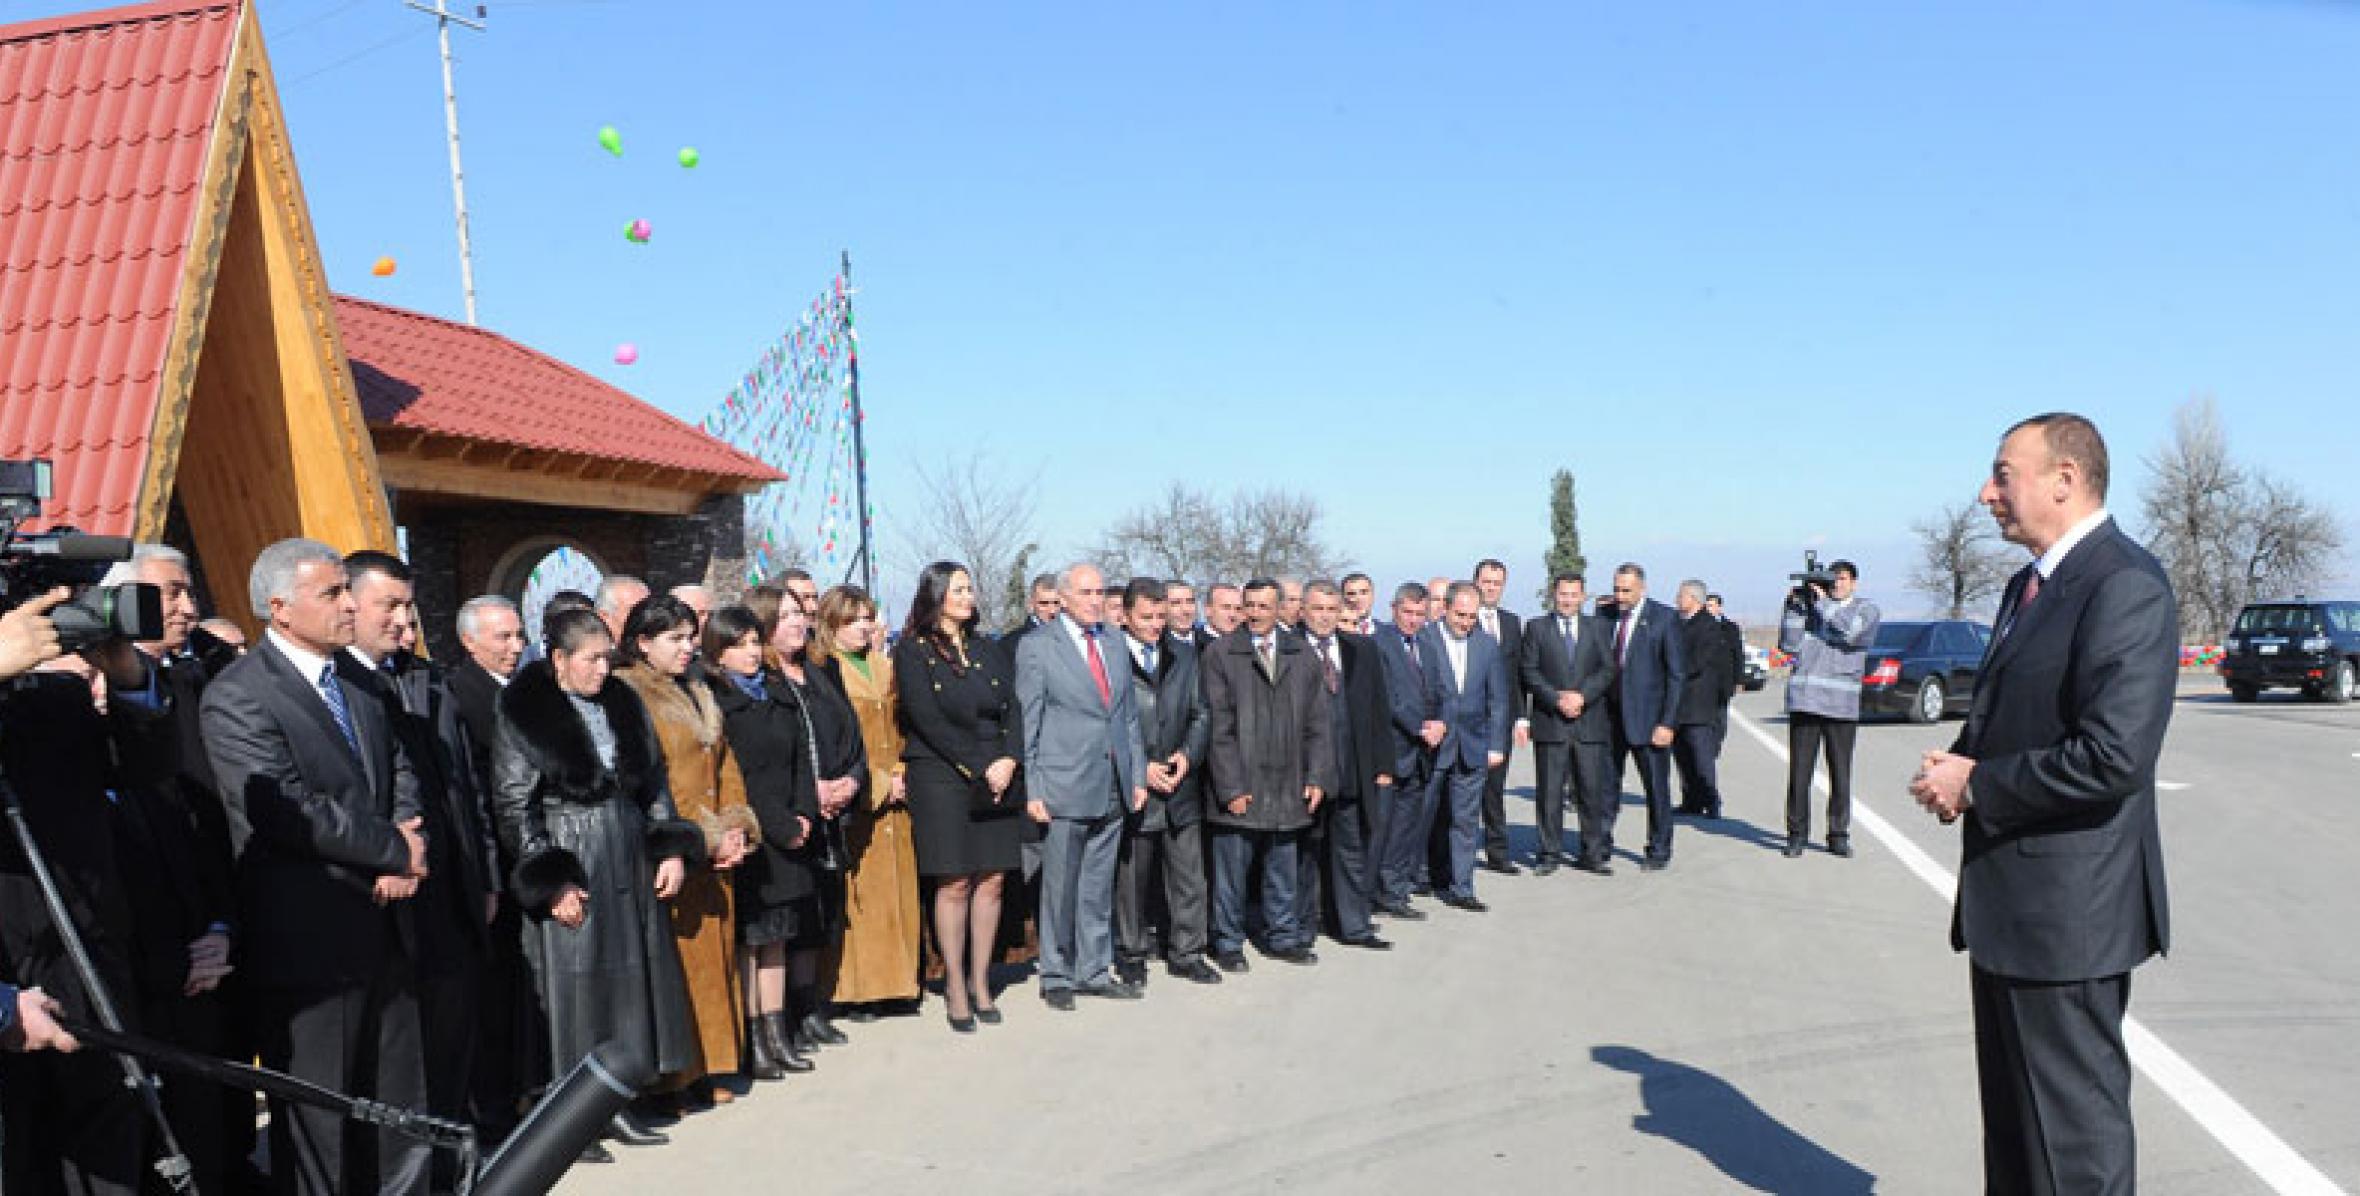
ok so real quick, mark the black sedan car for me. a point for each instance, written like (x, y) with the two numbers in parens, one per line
(1922, 670)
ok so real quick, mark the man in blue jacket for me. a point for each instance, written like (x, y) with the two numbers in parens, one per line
(1466, 677)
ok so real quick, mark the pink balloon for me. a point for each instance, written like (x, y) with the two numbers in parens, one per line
(642, 229)
(626, 354)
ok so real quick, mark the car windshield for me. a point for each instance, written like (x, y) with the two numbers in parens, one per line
(2264, 619)
(1896, 637)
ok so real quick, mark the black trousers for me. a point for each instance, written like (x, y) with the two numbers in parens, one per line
(362, 1040)
(1807, 735)
(1655, 780)
(196, 1108)
(449, 1002)
(2056, 1085)
(1334, 866)
(1696, 749)
(1495, 808)
(511, 1046)
(1572, 775)
(1169, 863)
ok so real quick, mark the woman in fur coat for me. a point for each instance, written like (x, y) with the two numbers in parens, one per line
(659, 642)
(585, 809)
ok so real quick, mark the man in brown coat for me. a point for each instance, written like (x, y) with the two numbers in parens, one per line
(1270, 766)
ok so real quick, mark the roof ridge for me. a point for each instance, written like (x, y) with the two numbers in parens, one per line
(104, 18)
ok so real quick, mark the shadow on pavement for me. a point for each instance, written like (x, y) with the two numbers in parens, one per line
(1708, 1115)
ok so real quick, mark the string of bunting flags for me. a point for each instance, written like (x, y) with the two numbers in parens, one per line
(797, 410)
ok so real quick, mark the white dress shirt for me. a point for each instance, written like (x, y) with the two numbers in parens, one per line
(2055, 556)
(1455, 647)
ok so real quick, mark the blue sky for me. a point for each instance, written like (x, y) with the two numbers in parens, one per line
(1762, 276)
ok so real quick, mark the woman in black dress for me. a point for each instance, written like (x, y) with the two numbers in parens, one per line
(961, 742)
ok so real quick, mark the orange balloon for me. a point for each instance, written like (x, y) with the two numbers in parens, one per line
(383, 268)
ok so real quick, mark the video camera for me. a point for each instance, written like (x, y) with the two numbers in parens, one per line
(33, 565)
(1813, 574)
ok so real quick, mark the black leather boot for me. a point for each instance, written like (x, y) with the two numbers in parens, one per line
(760, 1064)
(630, 1133)
(820, 1030)
(782, 1046)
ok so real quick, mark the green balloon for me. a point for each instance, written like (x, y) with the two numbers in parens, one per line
(689, 157)
(612, 140)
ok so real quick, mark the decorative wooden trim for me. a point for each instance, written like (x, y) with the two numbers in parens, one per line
(463, 479)
(201, 265)
(273, 149)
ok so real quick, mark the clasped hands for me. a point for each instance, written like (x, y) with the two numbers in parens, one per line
(404, 886)
(1238, 805)
(1941, 784)
(1164, 776)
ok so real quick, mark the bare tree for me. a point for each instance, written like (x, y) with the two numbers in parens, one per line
(1190, 534)
(1961, 559)
(971, 514)
(2227, 534)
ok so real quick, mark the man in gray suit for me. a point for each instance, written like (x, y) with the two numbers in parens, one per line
(1084, 767)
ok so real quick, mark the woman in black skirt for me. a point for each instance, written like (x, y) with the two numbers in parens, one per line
(962, 741)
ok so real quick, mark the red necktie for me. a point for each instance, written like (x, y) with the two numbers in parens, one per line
(2031, 590)
(1098, 669)
(1622, 636)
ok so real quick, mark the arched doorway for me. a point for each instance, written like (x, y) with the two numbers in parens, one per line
(532, 571)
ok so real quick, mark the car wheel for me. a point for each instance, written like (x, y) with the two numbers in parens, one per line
(2244, 691)
(1930, 702)
(2339, 686)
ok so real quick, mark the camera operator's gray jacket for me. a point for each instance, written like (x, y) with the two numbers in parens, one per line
(1829, 641)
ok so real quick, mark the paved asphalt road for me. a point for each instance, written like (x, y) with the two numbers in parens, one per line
(1740, 1022)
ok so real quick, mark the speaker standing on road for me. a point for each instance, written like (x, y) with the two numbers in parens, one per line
(2061, 889)
(1828, 628)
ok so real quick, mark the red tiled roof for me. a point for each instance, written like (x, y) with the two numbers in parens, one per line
(419, 372)
(105, 119)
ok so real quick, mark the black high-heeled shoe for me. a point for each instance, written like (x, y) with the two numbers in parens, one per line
(822, 1032)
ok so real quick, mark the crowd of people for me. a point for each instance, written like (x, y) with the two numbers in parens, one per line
(710, 836)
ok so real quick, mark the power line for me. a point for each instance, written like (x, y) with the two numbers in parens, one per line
(357, 55)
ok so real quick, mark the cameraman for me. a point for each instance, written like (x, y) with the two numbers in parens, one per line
(28, 1016)
(172, 841)
(1828, 628)
(72, 1124)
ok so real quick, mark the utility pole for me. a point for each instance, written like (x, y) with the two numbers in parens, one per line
(442, 19)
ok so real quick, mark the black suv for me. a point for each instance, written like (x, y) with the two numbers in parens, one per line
(2302, 644)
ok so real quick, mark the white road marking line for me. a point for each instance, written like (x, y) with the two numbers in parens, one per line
(2171, 786)
(2238, 1131)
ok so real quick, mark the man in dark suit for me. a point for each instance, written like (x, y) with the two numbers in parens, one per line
(1163, 850)
(327, 822)
(1401, 848)
(1646, 704)
(1180, 611)
(173, 847)
(1224, 612)
(454, 904)
(1567, 669)
(509, 1044)
(1360, 604)
(1467, 682)
(1507, 630)
(1704, 702)
(2061, 884)
(1042, 607)
(1336, 856)
(1271, 766)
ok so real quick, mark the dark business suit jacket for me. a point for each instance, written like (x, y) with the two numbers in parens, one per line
(1407, 700)
(1709, 677)
(462, 854)
(312, 824)
(1511, 637)
(1478, 711)
(478, 694)
(1368, 710)
(1172, 718)
(2061, 872)
(1547, 671)
(1647, 690)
